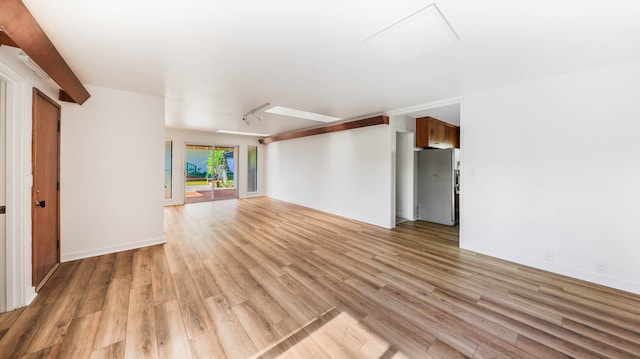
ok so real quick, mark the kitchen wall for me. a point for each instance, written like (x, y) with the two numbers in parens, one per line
(549, 174)
(111, 174)
(346, 173)
(182, 137)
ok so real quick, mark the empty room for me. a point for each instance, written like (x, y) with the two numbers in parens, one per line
(288, 179)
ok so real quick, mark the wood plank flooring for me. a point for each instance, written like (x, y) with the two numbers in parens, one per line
(263, 278)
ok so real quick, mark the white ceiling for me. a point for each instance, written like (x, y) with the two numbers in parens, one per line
(215, 60)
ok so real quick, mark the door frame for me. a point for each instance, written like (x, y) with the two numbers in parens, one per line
(3, 193)
(19, 291)
(410, 111)
(183, 178)
(405, 180)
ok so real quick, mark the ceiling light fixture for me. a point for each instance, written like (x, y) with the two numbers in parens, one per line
(253, 113)
(279, 110)
(32, 65)
(242, 133)
(424, 31)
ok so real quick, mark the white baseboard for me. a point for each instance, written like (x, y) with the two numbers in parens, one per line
(172, 203)
(558, 269)
(67, 257)
(251, 195)
(30, 295)
(405, 216)
(374, 222)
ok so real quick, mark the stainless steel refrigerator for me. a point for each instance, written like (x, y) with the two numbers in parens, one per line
(438, 185)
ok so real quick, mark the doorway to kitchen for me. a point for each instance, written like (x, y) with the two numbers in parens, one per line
(427, 168)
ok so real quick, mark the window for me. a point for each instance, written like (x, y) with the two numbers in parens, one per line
(168, 154)
(252, 173)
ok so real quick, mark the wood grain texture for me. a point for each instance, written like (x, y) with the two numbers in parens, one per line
(170, 332)
(433, 133)
(163, 290)
(73, 345)
(194, 314)
(18, 337)
(63, 96)
(141, 268)
(263, 278)
(98, 285)
(378, 120)
(207, 346)
(113, 322)
(63, 310)
(232, 335)
(113, 351)
(6, 40)
(141, 340)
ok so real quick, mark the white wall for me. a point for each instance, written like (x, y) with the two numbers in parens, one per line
(551, 169)
(346, 173)
(182, 137)
(111, 174)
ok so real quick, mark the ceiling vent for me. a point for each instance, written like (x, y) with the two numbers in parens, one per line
(422, 32)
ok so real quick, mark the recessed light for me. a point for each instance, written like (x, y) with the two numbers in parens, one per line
(279, 110)
(242, 133)
(419, 33)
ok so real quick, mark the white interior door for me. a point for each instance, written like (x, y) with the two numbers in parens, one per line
(3, 244)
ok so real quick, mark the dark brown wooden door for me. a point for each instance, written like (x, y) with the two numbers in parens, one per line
(45, 194)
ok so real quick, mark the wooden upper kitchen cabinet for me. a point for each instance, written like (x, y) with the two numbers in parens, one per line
(433, 133)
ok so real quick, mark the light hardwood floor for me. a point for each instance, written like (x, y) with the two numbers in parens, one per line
(263, 278)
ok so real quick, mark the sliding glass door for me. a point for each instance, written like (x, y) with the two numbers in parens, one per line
(210, 173)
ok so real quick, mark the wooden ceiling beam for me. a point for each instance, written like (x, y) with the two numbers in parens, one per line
(378, 120)
(6, 40)
(63, 96)
(17, 23)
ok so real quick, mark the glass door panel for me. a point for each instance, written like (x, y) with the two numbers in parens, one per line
(198, 184)
(168, 165)
(224, 165)
(252, 170)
